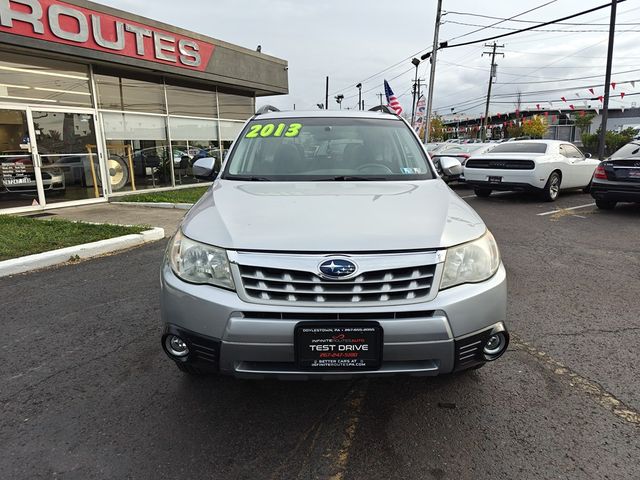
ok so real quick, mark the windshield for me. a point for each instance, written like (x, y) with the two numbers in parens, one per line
(528, 147)
(341, 149)
(630, 150)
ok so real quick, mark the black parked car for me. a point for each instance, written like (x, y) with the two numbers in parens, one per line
(617, 179)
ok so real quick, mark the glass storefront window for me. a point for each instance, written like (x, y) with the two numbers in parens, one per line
(25, 79)
(17, 177)
(191, 102)
(120, 93)
(138, 153)
(191, 139)
(235, 107)
(68, 152)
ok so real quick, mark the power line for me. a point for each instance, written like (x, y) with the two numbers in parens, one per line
(551, 31)
(533, 27)
(503, 20)
(565, 79)
(534, 21)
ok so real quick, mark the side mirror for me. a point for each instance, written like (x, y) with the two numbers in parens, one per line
(587, 155)
(206, 168)
(450, 166)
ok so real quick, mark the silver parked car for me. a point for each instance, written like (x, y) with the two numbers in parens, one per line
(328, 246)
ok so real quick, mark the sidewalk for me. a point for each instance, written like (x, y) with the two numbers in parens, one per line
(169, 219)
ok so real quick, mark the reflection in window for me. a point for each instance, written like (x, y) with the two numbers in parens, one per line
(191, 102)
(192, 139)
(138, 153)
(120, 93)
(26, 79)
(235, 107)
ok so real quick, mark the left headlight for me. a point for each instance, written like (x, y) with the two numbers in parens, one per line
(197, 262)
(471, 262)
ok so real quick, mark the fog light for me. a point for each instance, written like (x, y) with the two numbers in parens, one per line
(176, 346)
(494, 346)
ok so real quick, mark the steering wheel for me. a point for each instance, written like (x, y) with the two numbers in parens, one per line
(374, 166)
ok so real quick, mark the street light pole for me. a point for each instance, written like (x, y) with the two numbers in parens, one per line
(359, 87)
(607, 82)
(416, 62)
(432, 75)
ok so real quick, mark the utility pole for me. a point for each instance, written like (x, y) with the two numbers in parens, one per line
(326, 94)
(432, 74)
(380, 95)
(415, 62)
(492, 74)
(359, 87)
(607, 82)
(416, 98)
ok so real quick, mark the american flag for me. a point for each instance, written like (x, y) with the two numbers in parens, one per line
(392, 101)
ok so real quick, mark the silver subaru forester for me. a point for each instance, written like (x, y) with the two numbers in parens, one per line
(328, 247)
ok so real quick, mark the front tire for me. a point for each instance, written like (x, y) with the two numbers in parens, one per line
(482, 192)
(552, 188)
(605, 204)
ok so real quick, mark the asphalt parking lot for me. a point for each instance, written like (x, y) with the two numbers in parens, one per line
(88, 394)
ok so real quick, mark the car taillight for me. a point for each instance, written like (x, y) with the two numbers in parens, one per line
(600, 173)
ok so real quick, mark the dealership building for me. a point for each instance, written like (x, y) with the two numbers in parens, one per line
(97, 102)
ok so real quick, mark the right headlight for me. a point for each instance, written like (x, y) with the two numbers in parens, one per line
(197, 262)
(471, 262)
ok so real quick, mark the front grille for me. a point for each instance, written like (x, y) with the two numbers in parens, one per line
(292, 286)
(501, 164)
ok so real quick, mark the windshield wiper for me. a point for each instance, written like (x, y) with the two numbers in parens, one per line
(349, 178)
(248, 178)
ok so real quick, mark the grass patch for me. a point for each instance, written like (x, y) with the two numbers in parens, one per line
(21, 236)
(184, 195)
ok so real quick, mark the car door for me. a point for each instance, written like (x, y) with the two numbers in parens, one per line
(581, 166)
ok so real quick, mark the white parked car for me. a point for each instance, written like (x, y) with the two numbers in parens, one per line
(542, 166)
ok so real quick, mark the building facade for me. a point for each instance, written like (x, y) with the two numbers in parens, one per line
(97, 102)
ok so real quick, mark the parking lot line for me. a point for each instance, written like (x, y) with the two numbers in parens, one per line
(565, 209)
(575, 380)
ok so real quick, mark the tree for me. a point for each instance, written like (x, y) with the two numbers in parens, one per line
(514, 131)
(437, 129)
(535, 127)
(583, 122)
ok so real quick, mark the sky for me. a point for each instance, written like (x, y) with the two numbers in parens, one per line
(352, 41)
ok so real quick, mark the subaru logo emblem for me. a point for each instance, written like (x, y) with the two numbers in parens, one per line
(337, 268)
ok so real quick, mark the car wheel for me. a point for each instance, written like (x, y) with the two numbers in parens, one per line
(605, 204)
(190, 369)
(552, 188)
(118, 172)
(482, 192)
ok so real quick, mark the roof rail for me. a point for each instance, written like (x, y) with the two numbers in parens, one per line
(266, 109)
(382, 108)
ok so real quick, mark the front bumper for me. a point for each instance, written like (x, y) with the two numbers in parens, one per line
(254, 340)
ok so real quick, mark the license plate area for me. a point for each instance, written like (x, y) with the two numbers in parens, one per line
(321, 346)
(495, 179)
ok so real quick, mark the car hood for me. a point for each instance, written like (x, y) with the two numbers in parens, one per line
(332, 216)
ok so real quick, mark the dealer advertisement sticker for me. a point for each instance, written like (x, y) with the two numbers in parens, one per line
(343, 347)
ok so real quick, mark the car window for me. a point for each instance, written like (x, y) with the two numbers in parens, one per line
(570, 151)
(630, 150)
(320, 148)
(525, 147)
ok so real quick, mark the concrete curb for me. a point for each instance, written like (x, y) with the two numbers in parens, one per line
(179, 206)
(37, 261)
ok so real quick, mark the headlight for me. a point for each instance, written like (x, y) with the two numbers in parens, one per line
(196, 262)
(471, 262)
